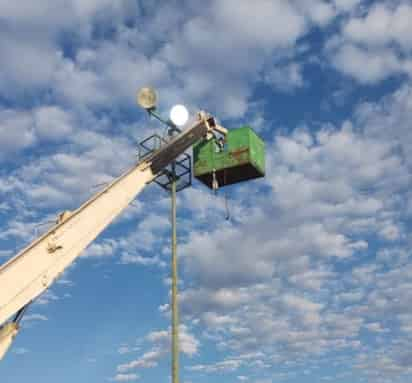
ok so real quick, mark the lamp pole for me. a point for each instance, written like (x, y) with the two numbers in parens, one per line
(147, 99)
(175, 307)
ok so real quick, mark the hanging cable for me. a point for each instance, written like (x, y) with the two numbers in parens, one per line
(227, 216)
(227, 208)
(215, 184)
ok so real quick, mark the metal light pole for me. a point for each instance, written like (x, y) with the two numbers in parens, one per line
(173, 180)
(175, 307)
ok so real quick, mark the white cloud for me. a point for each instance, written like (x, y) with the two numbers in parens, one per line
(301, 304)
(346, 5)
(213, 320)
(148, 360)
(28, 64)
(382, 25)
(276, 269)
(188, 343)
(286, 78)
(272, 281)
(320, 12)
(21, 129)
(227, 32)
(368, 66)
(160, 347)
(239, 19)
(374, 327)
(225, 365)
(127, 259)
(77, 85)
(34, 317)
(125, 378)
(52, 122)
(66, 179)
(104, 248)
(20, 351)
(389, 120)
(33, 57)
(16, 131)
(45, 298)
(51, 14)
(125, 349)
(158, 336)
(376, 46)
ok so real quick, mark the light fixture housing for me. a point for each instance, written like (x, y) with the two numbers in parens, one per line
(147, 98)
(179, 115)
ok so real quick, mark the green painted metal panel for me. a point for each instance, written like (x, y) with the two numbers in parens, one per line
(242, 158)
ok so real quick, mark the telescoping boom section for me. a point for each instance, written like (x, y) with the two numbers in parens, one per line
(35, 268)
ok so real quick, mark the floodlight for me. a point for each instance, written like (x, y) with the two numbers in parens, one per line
(179, 115)
(147, 98)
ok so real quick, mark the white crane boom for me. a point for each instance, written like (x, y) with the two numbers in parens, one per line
(33, 270)
(7, 334)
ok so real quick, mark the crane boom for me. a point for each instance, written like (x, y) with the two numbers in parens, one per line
(33, 270)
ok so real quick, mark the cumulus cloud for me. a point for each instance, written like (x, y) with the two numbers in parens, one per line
(326, 199)
(34, 317)
(277, 287)
(160, 347)
(382, 25)
(286, 78)
(227, 32)
(188, 342)
(225, 365)
(374, 46)
(65, 179)
(367, 66)
(104, 248)
(20, 351)
(21, 129)
(295, 276)
(47, 297)
(34, 57)
(147, 360)
(16, 131)
(346, 5)
(125, 378)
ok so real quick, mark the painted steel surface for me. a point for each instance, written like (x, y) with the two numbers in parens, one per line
(34, 269)
(7, 334)
(241, 158)
(177, 145)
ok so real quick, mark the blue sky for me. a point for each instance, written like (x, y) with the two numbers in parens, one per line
(310, 280)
